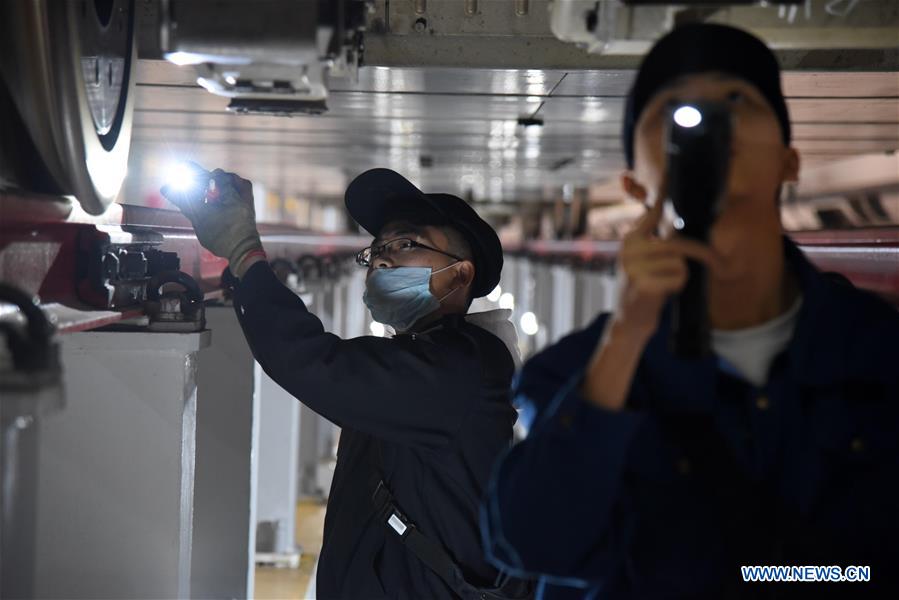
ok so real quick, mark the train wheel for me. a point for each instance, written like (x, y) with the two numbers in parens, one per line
(67, 71)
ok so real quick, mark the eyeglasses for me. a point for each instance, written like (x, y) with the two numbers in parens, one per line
(397, 246)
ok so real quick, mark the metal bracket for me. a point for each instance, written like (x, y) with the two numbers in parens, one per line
(118, 273)
(175, 311)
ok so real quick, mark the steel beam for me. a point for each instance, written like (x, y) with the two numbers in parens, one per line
(533, 52)
(870, 171)
(869, 258)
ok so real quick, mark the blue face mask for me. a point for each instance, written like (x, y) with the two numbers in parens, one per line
(402, 295)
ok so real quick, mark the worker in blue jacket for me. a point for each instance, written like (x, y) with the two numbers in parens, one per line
(423, 414)
(645, 475)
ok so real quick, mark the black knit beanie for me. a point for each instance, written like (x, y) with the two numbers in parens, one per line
(700, 48)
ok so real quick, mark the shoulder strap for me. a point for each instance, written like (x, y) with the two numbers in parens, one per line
(437, 559)
(429, 552)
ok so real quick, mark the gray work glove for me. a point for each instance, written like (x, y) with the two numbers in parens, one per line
(224, 218)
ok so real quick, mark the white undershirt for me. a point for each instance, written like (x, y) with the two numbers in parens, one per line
(751, 351)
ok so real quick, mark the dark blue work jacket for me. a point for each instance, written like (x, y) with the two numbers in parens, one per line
(703, 473)
(429, 413)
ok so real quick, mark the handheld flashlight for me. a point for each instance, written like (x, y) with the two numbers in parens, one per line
(698, 162)
(187, 179)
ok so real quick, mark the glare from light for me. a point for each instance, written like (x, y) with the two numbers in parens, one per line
(529, 324)
(678, 223)
(107, 173)
(377, 329)
(687, 116)
(495, 294)
(532, 132)
(594, 115)
(532, 152)
(196, 58)
(504, 128)
(534, 99)
(207, 84)
(536, 80)
(180, 177)
(594, 111)
(230, 80)
(507, 300)
(184, 58)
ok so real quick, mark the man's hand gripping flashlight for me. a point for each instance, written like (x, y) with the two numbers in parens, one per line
(220, 207)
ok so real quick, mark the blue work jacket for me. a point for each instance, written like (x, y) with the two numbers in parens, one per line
(703, 472)
(428, 413)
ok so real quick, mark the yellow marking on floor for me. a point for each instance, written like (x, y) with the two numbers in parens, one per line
(274, 583)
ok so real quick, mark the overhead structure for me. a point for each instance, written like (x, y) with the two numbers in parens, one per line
(553, 34)
(628, 27)
(282, 72)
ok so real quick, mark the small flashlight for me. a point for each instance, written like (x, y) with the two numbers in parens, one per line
(184, 178)
(687, 116)
(698, 163)
(181, 177)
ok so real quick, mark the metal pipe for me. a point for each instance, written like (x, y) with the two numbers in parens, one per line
(421, 6)
(471, 8)
(521, 7)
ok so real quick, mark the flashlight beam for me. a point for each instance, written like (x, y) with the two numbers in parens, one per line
(687, 116)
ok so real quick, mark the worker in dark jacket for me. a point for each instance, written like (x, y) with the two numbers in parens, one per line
(423, 414)
(646, 475)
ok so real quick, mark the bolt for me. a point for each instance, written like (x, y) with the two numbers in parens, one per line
(170, 305)
(420, 25)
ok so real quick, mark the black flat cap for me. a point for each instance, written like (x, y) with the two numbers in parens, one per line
(700, 48)
(379, 196)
